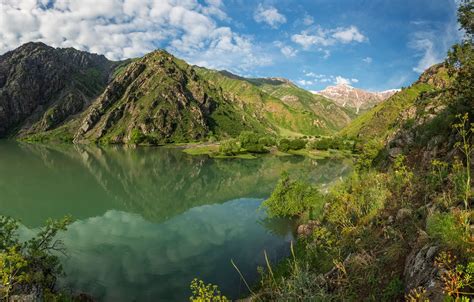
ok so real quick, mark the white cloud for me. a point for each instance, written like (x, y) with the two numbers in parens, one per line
(429, 57)
(347, 35)
(286, 50)
(304, 82)
(308, 20)
(318, 36)
(269, 15)
(342, 81)
(339, 80)
(129, 28)
(367, 60)
(433, 40)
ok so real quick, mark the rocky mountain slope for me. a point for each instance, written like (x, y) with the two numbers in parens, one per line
(70, 95)
(358, 99)
(41, 87)
(382, 121)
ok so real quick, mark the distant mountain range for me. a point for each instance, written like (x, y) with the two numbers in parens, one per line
(347, 96)
(69, 95)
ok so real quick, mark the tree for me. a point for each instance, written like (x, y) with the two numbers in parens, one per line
(30, 265)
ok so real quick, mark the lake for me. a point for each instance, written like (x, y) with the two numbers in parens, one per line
(149, 220)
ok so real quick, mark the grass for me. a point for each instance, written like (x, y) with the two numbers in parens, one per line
(380, 121)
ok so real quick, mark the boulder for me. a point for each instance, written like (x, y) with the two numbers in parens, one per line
(420, 271)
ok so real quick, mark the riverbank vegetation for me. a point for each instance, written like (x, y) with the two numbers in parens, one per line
(399, 228)
(250, 145)
(30, 269)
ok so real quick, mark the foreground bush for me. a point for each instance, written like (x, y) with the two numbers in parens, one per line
(30, 266)
(292, 198)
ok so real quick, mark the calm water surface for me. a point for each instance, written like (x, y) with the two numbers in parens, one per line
(149, 220)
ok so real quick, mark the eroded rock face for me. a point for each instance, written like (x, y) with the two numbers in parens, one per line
(420, 271)
(40, 86)
(154, 99)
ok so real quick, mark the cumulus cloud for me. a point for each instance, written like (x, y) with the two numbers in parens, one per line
(304, 82)
(269, 15)
(129, 28)
(342, 81)
(325, 78)
(286, 50)
(318, 36)
(339, 80)
(367, 60)
(347, 35)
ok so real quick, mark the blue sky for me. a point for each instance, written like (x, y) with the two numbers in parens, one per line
(371, 44)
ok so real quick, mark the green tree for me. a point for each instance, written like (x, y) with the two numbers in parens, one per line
(32, 265)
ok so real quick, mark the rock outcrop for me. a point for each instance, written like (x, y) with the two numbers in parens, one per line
(420, 271)
(41, 87)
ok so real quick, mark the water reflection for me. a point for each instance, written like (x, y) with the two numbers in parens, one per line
(38, 182)
(149, 220)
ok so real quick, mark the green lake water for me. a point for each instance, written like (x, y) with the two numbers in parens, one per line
(149, 220)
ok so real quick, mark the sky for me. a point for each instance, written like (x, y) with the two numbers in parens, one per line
(369, 44)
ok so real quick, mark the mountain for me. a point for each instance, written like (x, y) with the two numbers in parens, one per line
(41, 87)
(71, 95)
(288, 108)
(386, 118)
(355, 98)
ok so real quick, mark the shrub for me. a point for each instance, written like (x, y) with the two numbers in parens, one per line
(230, 147)
(136, 137)
(29, 265)
(296, 144)
(205, 292)
(250, 141)
(448, 229)
(267, 141)
(337, 143)
(368, 153)
(458, 279)
(284, 145)
(357, 200)
(291, 198)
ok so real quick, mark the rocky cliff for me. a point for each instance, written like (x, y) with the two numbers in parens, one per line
(41, 87)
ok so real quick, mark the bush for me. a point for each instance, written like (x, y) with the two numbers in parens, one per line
(230, 147)
(250, 141)
(267, 141)
(137, 137)
(358, 200)
(296, 144)
(447, 228)
(292, 198)
(30, 265)
(205, 292)
(336, 143)
(284, 145)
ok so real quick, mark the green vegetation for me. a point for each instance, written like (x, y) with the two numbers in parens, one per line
(291, 198)
(336, 143)
(286, 145)
(205, 292)
(372, 226)
(31, 266)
